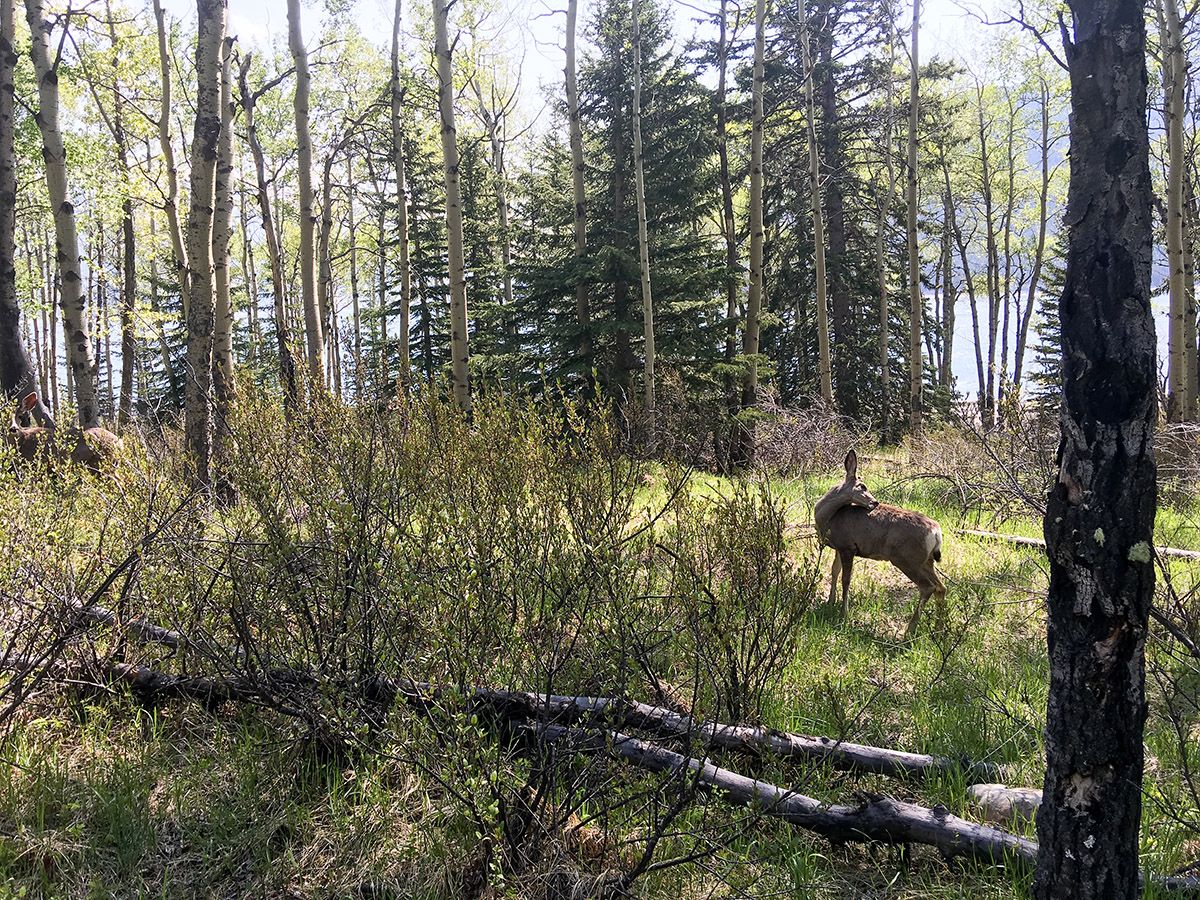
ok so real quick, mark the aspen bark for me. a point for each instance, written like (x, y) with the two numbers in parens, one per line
(1099, 521)
(728, 222)
(745, 453)
(824, 363)
(313, 316)
(287, 363)
(171, 195)
(881, 263)
(1179, 380)
(493, 123)
(325, 263)
(916, 307)
(1040, 250)
(583, 314)
(357, 313)
(639, 182)
(949, 296)
(224, 388)
(210, 18)
(398, 161)
(1006, 293)
(81, 364)
(459, 350)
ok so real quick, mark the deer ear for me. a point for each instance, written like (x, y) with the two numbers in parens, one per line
(852, 464)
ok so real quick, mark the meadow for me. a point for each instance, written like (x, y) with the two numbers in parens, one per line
(528, 551)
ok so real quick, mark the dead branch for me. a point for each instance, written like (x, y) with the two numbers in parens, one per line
(878, 819)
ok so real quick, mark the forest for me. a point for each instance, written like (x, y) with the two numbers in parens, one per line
(442, 436)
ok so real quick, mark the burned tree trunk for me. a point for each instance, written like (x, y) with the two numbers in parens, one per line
(1100, 515)
(17, 376)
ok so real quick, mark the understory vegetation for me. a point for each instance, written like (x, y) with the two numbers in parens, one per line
(532, 549)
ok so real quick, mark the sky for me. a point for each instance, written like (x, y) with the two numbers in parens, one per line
(532, 29)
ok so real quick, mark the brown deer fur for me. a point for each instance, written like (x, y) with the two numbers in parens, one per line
(90, 447)
(853, 523)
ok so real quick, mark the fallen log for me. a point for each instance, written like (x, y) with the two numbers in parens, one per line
(756, 740)
(878, 818)
(150, 686)
(615, 712)
(136, 627)
(1173, 552)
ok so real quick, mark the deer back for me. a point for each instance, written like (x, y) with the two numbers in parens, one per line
(91, 447)
(886, 532)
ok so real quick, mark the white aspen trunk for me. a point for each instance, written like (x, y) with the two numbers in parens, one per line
(210, 34)
(459, 349)
(224, 389)
(357, 313)
(1006, 294)
(80, 362)
(492, 124)
(313, 316)
(51, 293)
(885, 202)
(583, 309)
(914, 260)
(1179, 400)
(397, 97)
(171, 196)
(824, 363)
(324, 263)
(249, 273)
(1040, 249)
(728, 222)
(987, 387)
(639, 181)
(745, 453)
(287, 364)
(164, 347)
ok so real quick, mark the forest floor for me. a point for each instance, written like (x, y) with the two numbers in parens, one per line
(100, 797)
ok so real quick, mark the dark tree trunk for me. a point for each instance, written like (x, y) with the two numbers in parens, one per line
(846, 362)
(1100, 515)
(17, 377)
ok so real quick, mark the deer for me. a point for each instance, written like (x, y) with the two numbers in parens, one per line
(89, 447)
(853, 523)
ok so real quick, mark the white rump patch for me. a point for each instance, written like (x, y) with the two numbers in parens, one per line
(933, 542)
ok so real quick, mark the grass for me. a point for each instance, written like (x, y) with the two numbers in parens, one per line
(103, 798)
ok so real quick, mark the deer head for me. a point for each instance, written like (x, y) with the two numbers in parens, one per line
(29, 441)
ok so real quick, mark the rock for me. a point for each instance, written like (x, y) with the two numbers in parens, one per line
(1005, 805)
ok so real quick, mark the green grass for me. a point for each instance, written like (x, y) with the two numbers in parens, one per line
(106, 799)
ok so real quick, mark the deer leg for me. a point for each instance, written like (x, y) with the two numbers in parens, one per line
(833, 577)
(939, 596)
(916, 616)
(847, 567)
